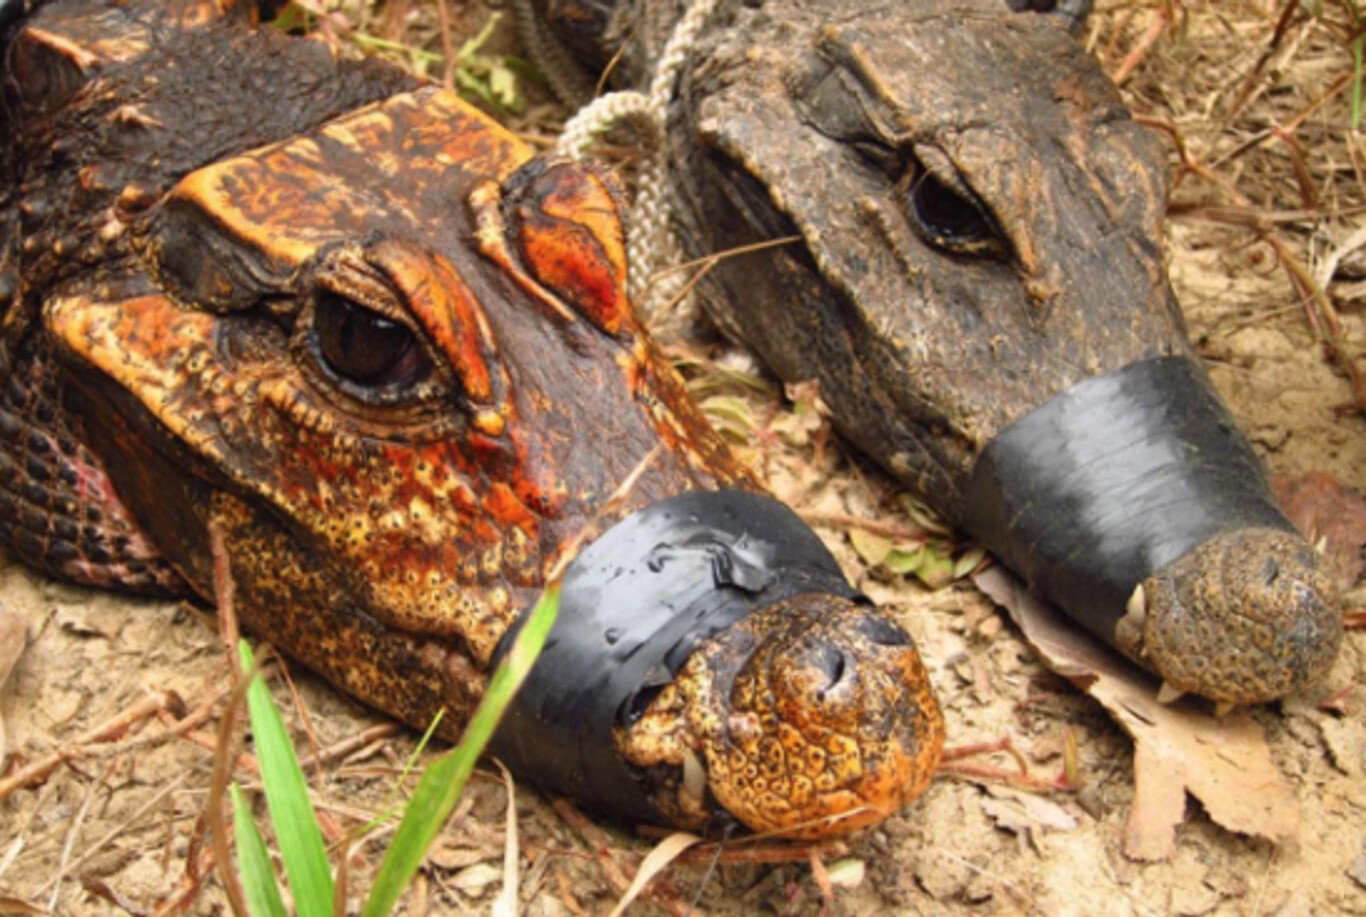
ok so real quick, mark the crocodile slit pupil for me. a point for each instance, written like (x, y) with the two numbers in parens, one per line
(363, 346)
(945, 216)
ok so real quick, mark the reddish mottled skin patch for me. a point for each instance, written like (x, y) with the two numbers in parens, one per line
(572, 238)
(187, 241)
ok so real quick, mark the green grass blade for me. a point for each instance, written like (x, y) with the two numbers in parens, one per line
(440, 787)
(291, 811)
(392, 803)
(253, 862)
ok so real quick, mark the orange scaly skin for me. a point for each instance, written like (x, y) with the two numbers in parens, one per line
(352, 322)
(802, 715)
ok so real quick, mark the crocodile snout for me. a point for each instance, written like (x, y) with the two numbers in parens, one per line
(860, 733)
(812, 717)
(1247, 617)
(711, 665)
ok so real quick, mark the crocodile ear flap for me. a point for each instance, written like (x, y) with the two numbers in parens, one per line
(47, 68)
(196, 258)
(565, 221)
(60, 50)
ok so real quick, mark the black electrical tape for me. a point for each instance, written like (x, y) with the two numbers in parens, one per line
(634, 605)
(1103, 485)
(11, 10)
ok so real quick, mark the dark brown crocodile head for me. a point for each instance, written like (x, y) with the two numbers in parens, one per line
(980, 232)
(982, 229)
(994, 243)
(357, 327)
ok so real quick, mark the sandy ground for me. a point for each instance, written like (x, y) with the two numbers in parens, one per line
(117, 827)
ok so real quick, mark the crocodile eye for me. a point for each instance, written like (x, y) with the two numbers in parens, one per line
(363, 347)
(947, 219)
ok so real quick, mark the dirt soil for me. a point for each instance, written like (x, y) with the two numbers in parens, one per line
(117, 825)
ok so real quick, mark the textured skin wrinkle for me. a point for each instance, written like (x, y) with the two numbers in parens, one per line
(186, 193)
(808, 118)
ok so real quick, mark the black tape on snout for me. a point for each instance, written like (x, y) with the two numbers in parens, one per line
(1103, 485)
(10, 10)
(634, 605)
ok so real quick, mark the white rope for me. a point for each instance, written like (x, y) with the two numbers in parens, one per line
(650, 242)
(600, 116)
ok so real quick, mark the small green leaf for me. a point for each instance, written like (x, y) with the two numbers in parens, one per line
(472, 85)
(291, 18)
(390, 807)
(1358, 44)
(253, 861)
(291, 812)
(968, 562)
(873, 549)
(730, 414)
(472, 45)
(902, 562)
(503, 84)
(714, 378)
(374, 42)
(440, 787)
(936, 571)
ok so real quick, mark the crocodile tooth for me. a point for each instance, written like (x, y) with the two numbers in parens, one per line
(1222, 710)
(694, 774)
(1168, 693)
(1138, 603)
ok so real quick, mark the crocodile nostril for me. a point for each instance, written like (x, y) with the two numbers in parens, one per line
(882, 632)
(829, 663)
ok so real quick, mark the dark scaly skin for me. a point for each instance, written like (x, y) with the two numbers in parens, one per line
(817, 118)
(212, 239)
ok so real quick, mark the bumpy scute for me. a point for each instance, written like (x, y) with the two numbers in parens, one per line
(808, 721)
(1243, 619)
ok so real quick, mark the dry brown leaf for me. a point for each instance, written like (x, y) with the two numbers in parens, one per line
(1015, 810)
(1020, 814)
(13, 641)
(505, 905)
(102, 889)
(475, 878)
(665, 852)
(18, 906)
(1321, 506)
(1178, 749)
(846, 873)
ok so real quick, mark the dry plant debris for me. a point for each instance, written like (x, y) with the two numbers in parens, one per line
(1332, 516)
(13, 640)
(1268, 255)
(1179, 748)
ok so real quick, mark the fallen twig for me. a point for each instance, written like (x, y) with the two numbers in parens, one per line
(594, 837)
(1161, 20)
(110, 729)
(887, 529)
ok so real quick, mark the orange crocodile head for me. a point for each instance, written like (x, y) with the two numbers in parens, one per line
(389, 356)
(401, 345)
